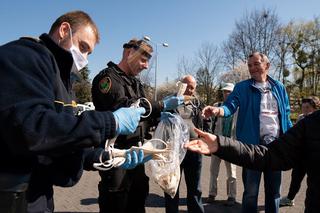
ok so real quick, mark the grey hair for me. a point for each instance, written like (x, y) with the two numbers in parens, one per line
(264, 58)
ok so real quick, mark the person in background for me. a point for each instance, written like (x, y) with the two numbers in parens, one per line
(264, 114)
(309, 105)
(192, 162)
(117, 86)
(42, 141)
(225, 127)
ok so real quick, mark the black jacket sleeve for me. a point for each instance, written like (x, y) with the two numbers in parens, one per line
(31, 118)
(282, 154)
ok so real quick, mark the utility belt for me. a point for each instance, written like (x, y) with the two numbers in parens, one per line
(126, 141)
(14, 182)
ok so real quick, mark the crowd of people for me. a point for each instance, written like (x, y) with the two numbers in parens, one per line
(44, 144)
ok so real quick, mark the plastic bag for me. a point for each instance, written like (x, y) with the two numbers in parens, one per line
(166, 173)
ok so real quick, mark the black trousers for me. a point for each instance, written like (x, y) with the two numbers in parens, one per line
(13, 202)
(123, 191)
(297, 176)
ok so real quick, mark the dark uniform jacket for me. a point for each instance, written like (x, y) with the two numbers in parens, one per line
(300, 144)
(112, 89)
(39, 133)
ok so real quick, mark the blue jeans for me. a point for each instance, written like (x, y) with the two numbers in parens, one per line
(191, 165)
(251, 182)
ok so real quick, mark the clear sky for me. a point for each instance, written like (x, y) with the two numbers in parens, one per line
(183, 24)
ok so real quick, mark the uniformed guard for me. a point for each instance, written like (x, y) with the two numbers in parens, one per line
(117, 86)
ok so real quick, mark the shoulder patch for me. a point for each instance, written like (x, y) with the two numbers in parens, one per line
(105, 85)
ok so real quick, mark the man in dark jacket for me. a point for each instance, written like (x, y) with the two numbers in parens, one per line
(41, 139)
(300, 144)
(116, 86)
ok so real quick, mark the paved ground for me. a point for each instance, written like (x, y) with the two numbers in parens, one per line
(82, 198)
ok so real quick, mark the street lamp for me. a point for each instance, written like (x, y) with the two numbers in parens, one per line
(155, 44)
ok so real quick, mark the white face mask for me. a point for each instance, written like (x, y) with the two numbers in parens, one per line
(79, 60)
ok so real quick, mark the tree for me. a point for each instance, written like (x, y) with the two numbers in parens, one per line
(236, 75)
(282, 53)
(82, 86)
(185, 67)
(305, 46)
(254, 32)
(166, 89)
(209, 60)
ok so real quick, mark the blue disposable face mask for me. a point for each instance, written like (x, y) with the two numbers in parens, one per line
(78, 58)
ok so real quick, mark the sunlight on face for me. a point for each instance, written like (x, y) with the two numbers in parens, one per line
(137, 62)
(85, 39)
(258, 68)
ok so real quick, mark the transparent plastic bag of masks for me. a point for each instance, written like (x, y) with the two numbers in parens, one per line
(174, 131)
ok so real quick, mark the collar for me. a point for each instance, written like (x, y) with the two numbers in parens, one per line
(129, 79)
(63, 57)
(270, 80)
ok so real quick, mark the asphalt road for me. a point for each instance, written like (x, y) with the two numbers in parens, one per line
(82, 198)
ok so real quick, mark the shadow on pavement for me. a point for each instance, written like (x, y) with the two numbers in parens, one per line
(156, 201)
(219, 206)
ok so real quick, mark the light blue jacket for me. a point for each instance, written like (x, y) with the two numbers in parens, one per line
(247, 98)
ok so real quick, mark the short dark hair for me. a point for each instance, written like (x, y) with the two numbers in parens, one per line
(312, 100)
(76, 19)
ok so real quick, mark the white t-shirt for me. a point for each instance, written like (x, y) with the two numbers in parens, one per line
(269, 114)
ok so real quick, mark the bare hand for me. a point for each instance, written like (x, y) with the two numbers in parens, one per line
(209, 111)
(207, 143)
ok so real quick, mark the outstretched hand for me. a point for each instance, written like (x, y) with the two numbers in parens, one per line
(209, 111)
(206, 145)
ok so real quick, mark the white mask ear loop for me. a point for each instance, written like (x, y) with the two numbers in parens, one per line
(137, 104)
(71, 36)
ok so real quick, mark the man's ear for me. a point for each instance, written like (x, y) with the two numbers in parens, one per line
(64, 30)
(268, 65)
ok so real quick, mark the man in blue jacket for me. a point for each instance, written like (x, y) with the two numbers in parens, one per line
(264, 112)
(41, 139)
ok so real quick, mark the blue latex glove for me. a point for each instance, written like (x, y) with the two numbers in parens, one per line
(127, 119)
(172, 102)
(166, 115)
(133, 159)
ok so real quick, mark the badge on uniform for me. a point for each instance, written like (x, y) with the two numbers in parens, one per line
(105, 85)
